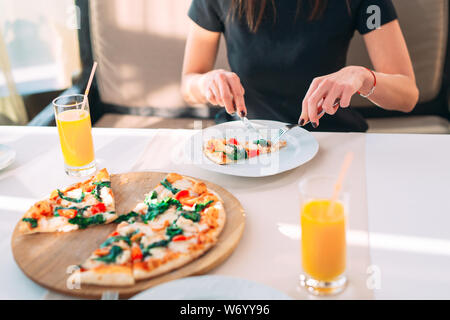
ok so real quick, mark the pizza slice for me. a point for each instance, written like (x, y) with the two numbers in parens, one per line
(77, 207)
(185, 231)
(111, 263)
(223, 151)
(261, 146)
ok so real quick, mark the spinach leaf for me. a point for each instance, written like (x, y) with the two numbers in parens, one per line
(262, 142)
(102, 184)
(173, 231)
(111, 240)
(162, 243)
(169, 186)
(200, 206)
(83, 222)
(127, 217)
(98, 186)
(191, 215)
(156, 209)
(111, 256)
(237, 153)
(79, 210)
(149, 198)
(33, 222)
(62, 196)
(195, 214)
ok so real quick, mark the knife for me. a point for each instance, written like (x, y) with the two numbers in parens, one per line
(248, 124)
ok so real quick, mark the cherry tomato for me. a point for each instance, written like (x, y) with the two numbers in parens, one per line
(181, 238)
(97, 208)
(182, 194)
(136, 253)
(88, 188)
(233, 141)
(253, 153)
(68, 213)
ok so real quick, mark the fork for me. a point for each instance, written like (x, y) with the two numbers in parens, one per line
(248, 124)
(282, 131)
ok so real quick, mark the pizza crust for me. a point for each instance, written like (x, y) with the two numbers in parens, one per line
(105, 276)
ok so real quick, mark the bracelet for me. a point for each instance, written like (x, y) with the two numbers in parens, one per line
(373, 88)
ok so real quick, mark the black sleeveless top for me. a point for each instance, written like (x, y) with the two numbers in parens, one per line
(277, 63)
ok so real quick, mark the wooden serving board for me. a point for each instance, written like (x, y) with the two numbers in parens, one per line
(46, 257)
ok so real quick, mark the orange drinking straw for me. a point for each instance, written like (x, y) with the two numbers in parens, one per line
(91, 77)
(338, 186)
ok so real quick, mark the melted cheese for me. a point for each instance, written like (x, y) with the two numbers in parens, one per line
(57, 224)
(140, 208)
(148, 239)
(105, 194)
(170, 215)
(187, 225)
(76, 193)
(158, 252)
(183, 184)
(182, 246)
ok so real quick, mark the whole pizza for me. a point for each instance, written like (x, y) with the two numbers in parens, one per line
(176, 222)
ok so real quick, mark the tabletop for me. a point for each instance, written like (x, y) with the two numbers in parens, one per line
(399, 238)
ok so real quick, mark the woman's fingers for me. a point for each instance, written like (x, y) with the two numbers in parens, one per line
(304, 118)
(346, 97)
(215, 90)
(224, 88)
(238, 94)
(330, 100)
(314, 100)
(211, 97)
(225, 93)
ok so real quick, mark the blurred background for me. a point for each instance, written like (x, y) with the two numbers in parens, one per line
(47, 48)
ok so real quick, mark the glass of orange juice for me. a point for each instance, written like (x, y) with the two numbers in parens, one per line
(74, 128)
(323, 241)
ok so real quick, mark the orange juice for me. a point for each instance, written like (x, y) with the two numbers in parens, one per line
(74, 128)
(323, 240)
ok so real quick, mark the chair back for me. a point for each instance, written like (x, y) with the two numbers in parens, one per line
(425, 27)
(139, 48)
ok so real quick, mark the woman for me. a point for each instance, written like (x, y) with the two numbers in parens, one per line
(288, 58)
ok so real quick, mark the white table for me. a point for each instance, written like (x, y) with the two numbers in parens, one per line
(408, 189)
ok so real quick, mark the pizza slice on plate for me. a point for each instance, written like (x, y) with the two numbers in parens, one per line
(223, 151)
(80, 205)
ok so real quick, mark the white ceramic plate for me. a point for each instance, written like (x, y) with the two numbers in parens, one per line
(7, 156)
(211, 288)
(301, 147)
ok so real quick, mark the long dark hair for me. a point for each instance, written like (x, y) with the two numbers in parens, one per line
(253, 10)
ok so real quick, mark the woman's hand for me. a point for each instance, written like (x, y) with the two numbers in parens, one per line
(223, 88)
(338, 86)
